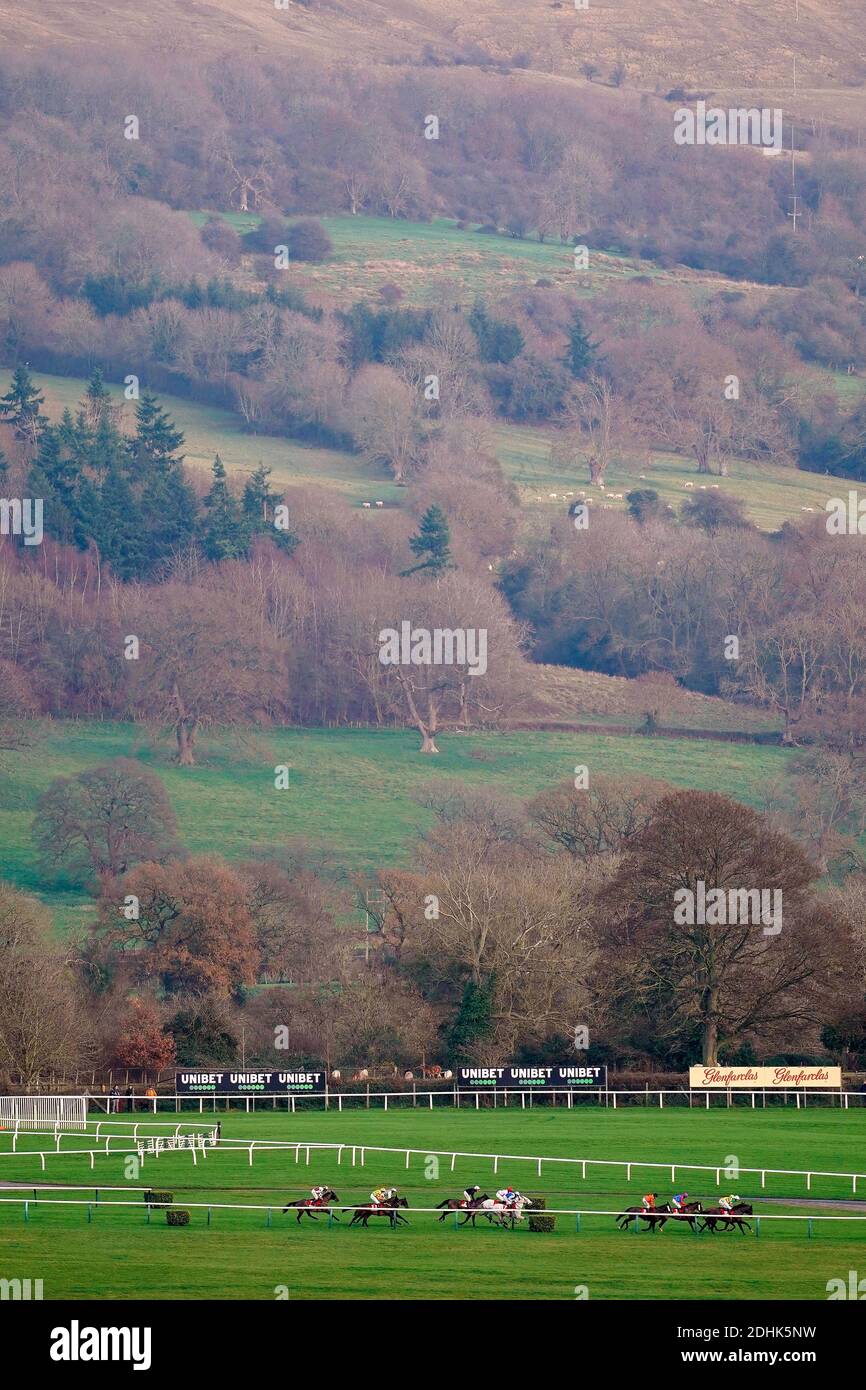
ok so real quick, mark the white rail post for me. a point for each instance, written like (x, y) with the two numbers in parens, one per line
(251, 1155)
(407, 1158)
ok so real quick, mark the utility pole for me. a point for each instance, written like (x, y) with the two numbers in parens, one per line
(794, 200)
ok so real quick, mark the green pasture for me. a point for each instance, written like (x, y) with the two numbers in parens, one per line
(772, 494)
(353, 793)
(438, 261)
(258, 1253)
(210, 430)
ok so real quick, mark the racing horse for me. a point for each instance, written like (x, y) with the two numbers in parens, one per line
(498, 1213)
(654, 1218)
(461, 1204)
(363, 1213)
(307, 1206)
(735, 1219)
(689, 1211)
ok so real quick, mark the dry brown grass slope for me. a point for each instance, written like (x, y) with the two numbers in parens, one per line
(721, 45)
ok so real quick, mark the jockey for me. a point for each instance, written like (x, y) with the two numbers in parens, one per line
(508, 1195)
(648, 1202)
(678, 1200)
(318, 1195)
(383, 1195)
(728, 1203)
(470, 1193)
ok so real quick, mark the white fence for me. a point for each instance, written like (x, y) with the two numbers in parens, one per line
(357, 1154)
(525, 1099)
(337, 1207)
(452, 1096)
(31, 1112)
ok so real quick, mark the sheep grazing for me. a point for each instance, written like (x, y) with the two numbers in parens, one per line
(380, 504)
(688, 484)
(366, 504)
(715, 486)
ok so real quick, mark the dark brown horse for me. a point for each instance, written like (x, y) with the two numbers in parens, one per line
(362, 1214)
(655, 1217)
(689, 1211)
(461, 1204)
(716, 1219)
(308, 1206)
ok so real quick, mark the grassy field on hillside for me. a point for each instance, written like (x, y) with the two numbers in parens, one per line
(117, 1254)
(353, 792)
(771, 494)
(439, 261)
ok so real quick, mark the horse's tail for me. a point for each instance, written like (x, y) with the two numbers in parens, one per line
(439, 1205)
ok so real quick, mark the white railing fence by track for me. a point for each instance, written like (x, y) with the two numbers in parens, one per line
(500, 1096)
(412, 1097)
(457, 1212)
(359, 1154)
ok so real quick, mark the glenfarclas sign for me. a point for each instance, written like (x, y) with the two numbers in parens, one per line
(764, 1078)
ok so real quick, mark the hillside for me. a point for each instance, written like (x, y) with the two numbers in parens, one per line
(354, 793)
(717, 45)
(772, 494)
(729, 49)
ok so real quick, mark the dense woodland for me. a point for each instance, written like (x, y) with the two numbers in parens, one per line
(189, 603)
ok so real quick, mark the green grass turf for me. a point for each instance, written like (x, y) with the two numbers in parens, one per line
(771, 494)
(118, 1255)
(210, 430)
(353, 793)
(438, 261)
